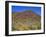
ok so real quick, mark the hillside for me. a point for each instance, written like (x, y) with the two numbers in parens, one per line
(26, 20)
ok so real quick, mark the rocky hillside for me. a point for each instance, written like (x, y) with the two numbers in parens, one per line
(26, 20)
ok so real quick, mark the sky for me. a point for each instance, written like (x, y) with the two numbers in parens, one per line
(37, 10)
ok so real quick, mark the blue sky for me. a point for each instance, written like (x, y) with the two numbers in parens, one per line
(37, 10)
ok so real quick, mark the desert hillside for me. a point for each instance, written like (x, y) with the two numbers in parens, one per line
(26, 20)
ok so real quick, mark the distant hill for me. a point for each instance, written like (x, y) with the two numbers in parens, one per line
(26, 20)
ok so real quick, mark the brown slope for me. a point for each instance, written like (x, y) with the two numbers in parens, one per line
(25, 20)
(27, 14)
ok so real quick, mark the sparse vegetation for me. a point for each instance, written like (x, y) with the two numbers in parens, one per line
(26, 20)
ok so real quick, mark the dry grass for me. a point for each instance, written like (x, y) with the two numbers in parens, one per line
(19, 24)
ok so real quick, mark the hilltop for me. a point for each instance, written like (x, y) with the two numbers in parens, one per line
(26, 20)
